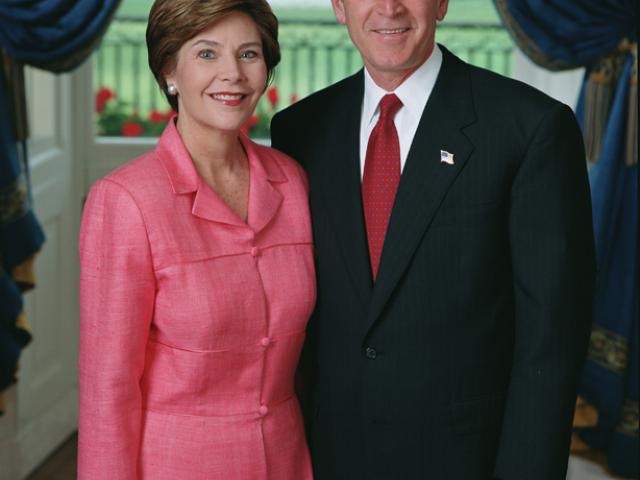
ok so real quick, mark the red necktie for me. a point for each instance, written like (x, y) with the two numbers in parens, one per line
(381, 177)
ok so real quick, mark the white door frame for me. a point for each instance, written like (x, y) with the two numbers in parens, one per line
(41, 409)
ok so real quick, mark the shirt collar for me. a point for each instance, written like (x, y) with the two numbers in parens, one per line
(413, 92)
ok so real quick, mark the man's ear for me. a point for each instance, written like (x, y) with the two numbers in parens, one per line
(338, 11)
(443, 6)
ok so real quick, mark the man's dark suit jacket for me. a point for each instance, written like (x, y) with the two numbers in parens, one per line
(462, 360)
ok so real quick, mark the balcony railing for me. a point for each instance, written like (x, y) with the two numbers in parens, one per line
(315, 53)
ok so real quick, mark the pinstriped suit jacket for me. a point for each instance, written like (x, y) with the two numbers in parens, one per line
(462, 361)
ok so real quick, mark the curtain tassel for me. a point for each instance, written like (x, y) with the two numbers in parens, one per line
(598, 98)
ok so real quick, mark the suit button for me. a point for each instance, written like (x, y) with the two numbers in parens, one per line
(263, 410)
(254, 251)
(370, 353)
(265, 342)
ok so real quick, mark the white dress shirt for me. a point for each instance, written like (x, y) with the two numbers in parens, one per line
(413, 93)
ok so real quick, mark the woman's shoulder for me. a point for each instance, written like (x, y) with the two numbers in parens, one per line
(141, 171)
(141, 178)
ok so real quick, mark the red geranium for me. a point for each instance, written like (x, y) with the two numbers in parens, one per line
(273, 96)
(131, 129)
(103, 95)
(159, 117)
(252, 122)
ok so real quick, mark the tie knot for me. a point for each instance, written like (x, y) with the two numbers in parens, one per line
(389, 105)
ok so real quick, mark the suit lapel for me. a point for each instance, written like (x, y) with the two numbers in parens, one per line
(339, 174)
(426, 179)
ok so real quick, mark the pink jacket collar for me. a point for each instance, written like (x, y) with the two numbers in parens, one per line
(264, 198)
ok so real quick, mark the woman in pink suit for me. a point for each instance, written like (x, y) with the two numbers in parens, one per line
(197, 275)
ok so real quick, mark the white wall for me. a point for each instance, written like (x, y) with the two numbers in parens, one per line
(563, 86)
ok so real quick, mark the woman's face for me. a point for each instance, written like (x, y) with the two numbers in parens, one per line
(220, 74)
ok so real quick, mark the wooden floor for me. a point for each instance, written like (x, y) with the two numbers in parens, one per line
(61, 465)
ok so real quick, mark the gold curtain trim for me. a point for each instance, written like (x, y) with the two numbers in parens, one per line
(24, 274)
(608, 349)
(13, 202)
(586, 415)
(629, 423)
(632, 119)
(600, 89)
(22, 322)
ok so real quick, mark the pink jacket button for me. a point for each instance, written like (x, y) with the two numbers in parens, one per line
(254, 251)
(265, 341)
(263, 410)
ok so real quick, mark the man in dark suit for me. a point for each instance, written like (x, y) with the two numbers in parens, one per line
(454, 256)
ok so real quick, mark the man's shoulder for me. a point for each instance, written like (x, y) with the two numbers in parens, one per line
(498, 103)
(493, 89)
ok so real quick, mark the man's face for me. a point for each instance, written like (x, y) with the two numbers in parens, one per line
(394, 37)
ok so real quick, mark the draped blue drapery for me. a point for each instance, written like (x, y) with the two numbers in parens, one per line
(561, 34)
(20, 238)
(610, 379)
(55, 35)
(601, 36)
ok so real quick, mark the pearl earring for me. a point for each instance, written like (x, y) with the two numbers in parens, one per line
(171, 89)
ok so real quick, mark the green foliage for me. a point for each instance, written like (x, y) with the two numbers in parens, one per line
(117, 118)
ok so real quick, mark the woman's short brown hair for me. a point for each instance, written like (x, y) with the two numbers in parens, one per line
(173, 22)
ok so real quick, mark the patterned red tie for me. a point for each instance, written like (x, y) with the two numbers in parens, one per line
(381, 177)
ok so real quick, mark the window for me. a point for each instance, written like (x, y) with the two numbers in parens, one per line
(316, 51)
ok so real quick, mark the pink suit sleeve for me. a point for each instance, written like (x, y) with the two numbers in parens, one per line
(117, 290)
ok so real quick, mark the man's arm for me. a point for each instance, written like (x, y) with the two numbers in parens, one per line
(552, 250)
(284, 135)
(285, 138)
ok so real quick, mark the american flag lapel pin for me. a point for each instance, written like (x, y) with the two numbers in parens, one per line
(446, 157)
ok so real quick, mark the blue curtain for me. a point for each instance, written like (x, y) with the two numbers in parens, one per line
(20, 238)
(55, 35)
(601, 36)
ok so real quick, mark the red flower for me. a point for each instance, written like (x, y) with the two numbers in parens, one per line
(273, 96)
(252, 122)
(294, 98)
(131, 129)
(158, 117)
(103, 95)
